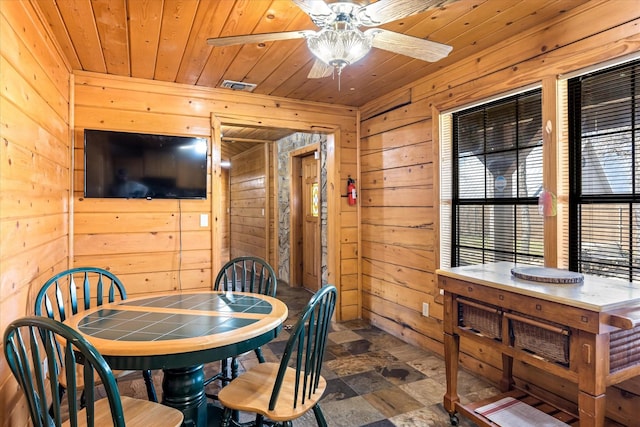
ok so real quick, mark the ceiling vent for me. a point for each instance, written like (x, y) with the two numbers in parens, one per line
(244, 87)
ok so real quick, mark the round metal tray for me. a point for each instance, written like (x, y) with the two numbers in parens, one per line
(547, 275)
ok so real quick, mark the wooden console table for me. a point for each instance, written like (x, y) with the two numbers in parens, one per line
(586, 333)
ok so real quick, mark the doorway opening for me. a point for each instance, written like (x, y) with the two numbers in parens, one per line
(284, 253)
(306, 224)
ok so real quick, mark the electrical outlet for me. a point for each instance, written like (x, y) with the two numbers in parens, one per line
(425, 309)
(204, 220)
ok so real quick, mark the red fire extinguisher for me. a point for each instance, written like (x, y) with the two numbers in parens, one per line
(351, 191)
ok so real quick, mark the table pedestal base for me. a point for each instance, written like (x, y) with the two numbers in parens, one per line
(183, 389)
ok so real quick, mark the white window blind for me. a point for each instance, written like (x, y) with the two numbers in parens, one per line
(496, 162)
(604, 200)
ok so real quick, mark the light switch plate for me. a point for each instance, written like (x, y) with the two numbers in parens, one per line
(204, 220)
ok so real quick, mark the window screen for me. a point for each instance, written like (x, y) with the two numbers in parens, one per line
(497, 179)
(604, 137)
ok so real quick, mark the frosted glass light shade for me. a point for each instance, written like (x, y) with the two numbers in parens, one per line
(339, 48)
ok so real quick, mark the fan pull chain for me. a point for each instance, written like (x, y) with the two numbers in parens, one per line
(333, 75)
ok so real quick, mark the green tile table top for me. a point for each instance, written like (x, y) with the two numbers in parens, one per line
(181, 323)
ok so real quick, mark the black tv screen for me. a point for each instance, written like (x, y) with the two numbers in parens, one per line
(135, 165)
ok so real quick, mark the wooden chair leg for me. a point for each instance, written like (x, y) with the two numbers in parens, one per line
(234, 368)
(151, 390)
(226, 417)
(259, 355)
(224, 368)
(322, 422)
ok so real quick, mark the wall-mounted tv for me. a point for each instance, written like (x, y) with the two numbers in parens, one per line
(136, 165)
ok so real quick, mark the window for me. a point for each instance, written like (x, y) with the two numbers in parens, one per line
(604, 161)
(497, 179)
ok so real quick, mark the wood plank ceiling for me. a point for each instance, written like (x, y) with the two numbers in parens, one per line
(166, 40)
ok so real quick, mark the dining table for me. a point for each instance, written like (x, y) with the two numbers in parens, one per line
(179, 332)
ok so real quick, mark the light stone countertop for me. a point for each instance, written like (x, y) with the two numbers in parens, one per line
(594, 293)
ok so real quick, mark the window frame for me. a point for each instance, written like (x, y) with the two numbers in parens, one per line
(577, 255)
(456, 201)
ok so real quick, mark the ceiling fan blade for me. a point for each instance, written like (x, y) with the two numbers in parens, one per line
(414, 47)
(318, 10)
(389, 10)
(320, 70)
(257, 38)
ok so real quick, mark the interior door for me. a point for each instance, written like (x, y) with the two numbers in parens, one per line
(311, 223)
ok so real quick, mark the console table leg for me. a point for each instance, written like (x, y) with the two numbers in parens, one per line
(506, 382)
(591, 409)
(451, 353)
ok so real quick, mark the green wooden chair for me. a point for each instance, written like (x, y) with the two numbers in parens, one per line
(243, 274)
(284, 391)
(36, 345)
(79, 289)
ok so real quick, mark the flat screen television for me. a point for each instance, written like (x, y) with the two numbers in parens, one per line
(136, 165)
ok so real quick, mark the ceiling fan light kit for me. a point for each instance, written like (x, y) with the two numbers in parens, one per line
(339, 41)
(339, 48)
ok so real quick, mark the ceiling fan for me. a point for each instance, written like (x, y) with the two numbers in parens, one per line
(340, 42)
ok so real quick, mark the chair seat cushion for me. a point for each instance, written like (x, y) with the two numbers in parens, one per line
(251, 392)
(137, 412)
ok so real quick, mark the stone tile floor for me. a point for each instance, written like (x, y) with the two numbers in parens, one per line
(374, 379)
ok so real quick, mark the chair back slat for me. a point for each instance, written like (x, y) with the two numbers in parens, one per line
(247, 274)
(65, 294)
(59, 297)
(306, 347)
(31, 347)
(87, 290)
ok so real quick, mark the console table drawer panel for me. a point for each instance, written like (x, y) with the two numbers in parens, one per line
(545, 339)
(480, 317)
(573, 317)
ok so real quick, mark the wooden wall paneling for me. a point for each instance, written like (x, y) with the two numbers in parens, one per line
(249, 203)
(398, 118)
(403, 332)
(400, 255)
(550, 166)
(178, 109)
(400, 97)
(416, 279)
(34, 177)
(272, 202)
(96, 117)
(147, 262)
(218, 193)
(531, 58)
(402, 295)
(110, 230)
(149, 241)
(224, 222)
(232, 107)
